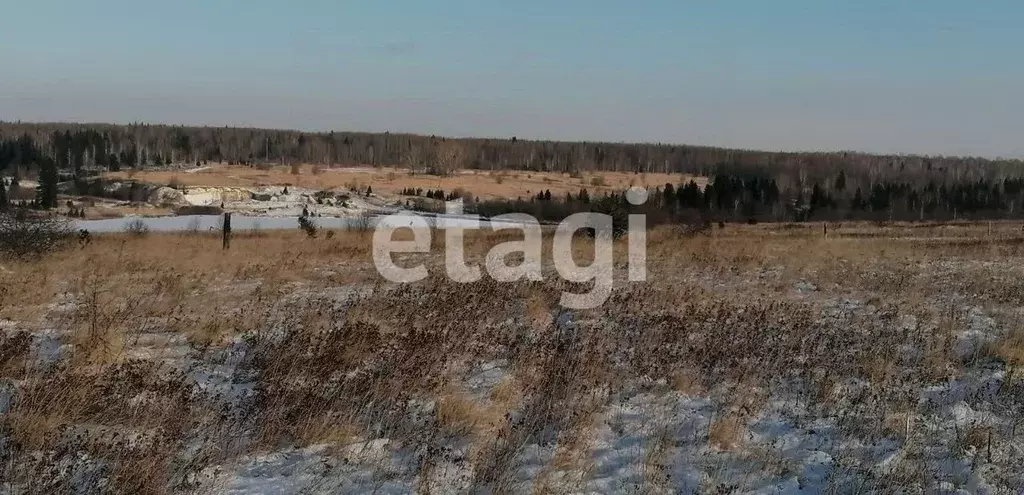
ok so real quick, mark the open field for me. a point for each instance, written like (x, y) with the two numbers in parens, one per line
(100, 212)
(483, 184)
(754, 359)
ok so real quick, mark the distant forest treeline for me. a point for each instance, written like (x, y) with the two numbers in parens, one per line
(769, 185)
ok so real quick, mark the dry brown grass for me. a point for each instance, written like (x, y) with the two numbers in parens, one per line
(102, 212)
(539, 311)
(482, 184)
(1011, 347)
(318, 428)
(112, 209)
(458, 413)
(976, 436)
(333, 355)
(686, 381)
(897, 424)
(726, 433)
(572, 455)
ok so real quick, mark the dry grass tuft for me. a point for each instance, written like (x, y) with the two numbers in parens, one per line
(458, 414)
(539, 311)
(686, 381)
(726, 433)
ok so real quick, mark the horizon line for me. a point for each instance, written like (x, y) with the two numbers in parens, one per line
(996, 158)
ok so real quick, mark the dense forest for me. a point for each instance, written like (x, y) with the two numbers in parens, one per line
(754, 198)
(744, 183)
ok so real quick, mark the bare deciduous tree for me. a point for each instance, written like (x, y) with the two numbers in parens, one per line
(450, 157)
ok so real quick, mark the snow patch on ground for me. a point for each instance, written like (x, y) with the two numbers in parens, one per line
(360, 467)
(979, 331)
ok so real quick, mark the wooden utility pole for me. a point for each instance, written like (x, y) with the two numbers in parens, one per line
(227, 230)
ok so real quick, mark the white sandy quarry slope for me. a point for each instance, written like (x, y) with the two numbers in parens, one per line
(273, 201)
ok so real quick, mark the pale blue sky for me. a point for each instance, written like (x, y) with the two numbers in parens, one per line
(936, 77)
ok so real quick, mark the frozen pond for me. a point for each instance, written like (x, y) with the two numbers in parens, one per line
(242, 222)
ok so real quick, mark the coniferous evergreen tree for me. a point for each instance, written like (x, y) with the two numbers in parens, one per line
(858, 201)
(841, 181)
(13, 188)
(668, 197)
(46, 191)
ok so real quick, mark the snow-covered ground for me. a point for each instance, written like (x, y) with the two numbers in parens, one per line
(952, 429)
(647, 438)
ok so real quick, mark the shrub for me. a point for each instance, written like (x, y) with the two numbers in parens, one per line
(692, 222)
(136, 227)
(620, 216)
(24, 235)
(426, 205)
(462, 193)
(198, 210)
(308, 226)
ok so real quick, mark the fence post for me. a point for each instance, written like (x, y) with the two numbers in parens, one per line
(227, 230)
